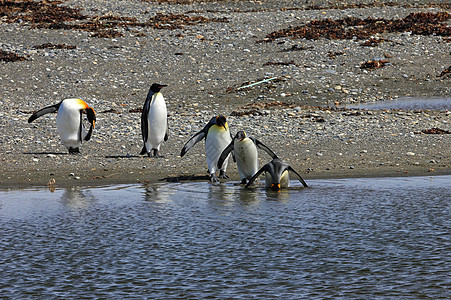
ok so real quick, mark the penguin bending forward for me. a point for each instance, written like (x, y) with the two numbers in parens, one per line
(69, 122)
(246, 155)
(154, 121)
(276, 175)
(217, 137)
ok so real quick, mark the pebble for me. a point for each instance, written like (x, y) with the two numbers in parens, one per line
(197, 90)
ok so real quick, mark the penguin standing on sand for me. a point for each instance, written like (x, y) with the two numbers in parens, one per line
(154, 121)
(276, 175)
(69, 122)
(246, 155)
(217, 137)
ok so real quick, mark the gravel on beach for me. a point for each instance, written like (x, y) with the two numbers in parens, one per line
(207, 53)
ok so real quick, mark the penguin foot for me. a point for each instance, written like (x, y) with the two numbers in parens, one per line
(155, 154)
(222, 174)
(74, 150)
(244, 181)
(214, 179)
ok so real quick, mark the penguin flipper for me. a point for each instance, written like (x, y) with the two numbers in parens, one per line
(166, 136)
(264, 147)
(262, 169)
(44, 111)
(224, 154)
(193, 141)
(144, 123)
(88, 135)
(299, 176)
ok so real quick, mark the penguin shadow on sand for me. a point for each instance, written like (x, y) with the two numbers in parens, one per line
(185, 178)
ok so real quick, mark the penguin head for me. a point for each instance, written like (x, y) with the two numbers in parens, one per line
(221, 121)
(86, 108)
(91, 116)
(240, 135)
(276, 170)
(275, 186)
(156, 87)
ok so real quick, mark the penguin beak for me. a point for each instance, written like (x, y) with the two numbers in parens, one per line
(275, 187)
(91, 116)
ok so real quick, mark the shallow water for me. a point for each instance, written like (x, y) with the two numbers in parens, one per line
(407, 103)
(348, 238)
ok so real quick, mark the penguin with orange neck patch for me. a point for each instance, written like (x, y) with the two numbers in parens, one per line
(246, 155)
(276, 175)
(69, 122)
(217, 137)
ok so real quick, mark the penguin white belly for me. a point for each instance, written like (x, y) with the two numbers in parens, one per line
(157, 121)
(246, 156)
(217, 139)
(68, 124)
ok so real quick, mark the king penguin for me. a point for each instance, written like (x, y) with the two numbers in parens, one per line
(246, 155)
(277, 176)
(154, 121)
(217, 137)
(69, 122)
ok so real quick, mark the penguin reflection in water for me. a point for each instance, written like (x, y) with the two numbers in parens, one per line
(246, 155)
(277, 177)
(217, 137)
(69, 122)
(154, 121)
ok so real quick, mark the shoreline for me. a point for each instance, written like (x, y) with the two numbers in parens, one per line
(70, 181)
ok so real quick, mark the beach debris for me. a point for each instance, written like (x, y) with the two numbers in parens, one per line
(333, 55)
(435, 131)
(296, 48)
(374, 64)
(373, 42)
(111, 110)
(52, 15)
(314, 118)
(256, 83)
(54, 46)
(445, 72)
(177, 21)
(10, 57)
(270, 63)
(252, 112)
(352, 27)
(258, 109)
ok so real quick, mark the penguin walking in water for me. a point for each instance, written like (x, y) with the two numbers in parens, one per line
(277, 176)
(217, 137)
(246, 155)
(69, 122)
(154, 121)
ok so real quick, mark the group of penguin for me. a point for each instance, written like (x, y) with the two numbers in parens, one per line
(219, 143)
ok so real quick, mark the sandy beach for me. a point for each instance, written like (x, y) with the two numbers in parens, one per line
(108, 53)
